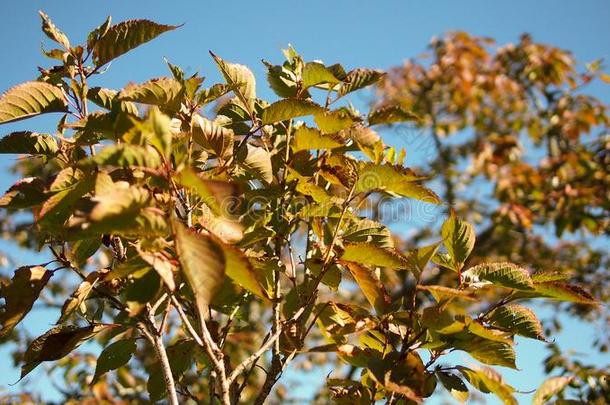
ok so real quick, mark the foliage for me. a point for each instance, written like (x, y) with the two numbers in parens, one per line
(521, 122)
(231, 246)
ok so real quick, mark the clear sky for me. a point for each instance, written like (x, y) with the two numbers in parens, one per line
(376, 34)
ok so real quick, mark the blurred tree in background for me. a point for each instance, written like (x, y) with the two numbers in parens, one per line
(522, 149)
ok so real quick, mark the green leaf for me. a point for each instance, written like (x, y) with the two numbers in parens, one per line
(125, 36)
(53, 32)
(107, 98)
(289, 108)
(371, 255)
(125, 155)
(518, 320)
(55, 344)
(488, 351)
(419, 258)
(507, 275)
(240, 270)
(214, 193)
(281, 80)
(390, 114)
(394, 179)
(164, 92)
(157, 125)
(241, 79)
(114, 356)
(371, 287)
(31, 98)
(563, 291)
(315, 73)
(162, 265)
(366, 230)
(305, 138)
(203, 263)
(59, 207)
(358, 79)
(20, 294)
(257, 161)
(330, 122)
(549, 388)
(487, 380)
(213, 137)
(458, 237)
(441, 293)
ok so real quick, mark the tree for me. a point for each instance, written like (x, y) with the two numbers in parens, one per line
(518, 121)
(205, 255)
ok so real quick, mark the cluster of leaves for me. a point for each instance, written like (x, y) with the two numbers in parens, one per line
(519, 121)
(222, 246)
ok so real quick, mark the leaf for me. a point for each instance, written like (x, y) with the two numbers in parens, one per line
(164, 92)
(368, 254)
(505, 274)
(488, 351)
(19, 296)
(454, 385)
(282, 81)
(458, 237)
(517, 319)
(98, 33)
(79, 296)
(390, 115)
(31, 98)
(441, 293)
(213, 137)
(419, 258)
(124, 155)
(257, 161)
(549, 388)
(203, 264)
(563, 291)
(371, 287)
(58, 208)
(157, 125)
(366, 230)
(53, 32)
(287, 109)
(55, 344)
(125, 36)
(330, 122)
(240, 270)
(25, 193)
(393, 179)
(214, 193)
(31, 143)
(487, 380)
(114, 356)
(315, 73)
(241, 79)
(358, 79)
(107, 98)
(305, 138)
(162, 265)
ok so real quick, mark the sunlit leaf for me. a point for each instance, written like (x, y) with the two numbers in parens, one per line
(31, 98)
(203, 263)
(369, 254)
(257, 161)
(371, 286)
(305, 138)
(289, 108)
(241, 79)
(315, 73)
(390, 115)
(458, 237)
(213, 137)
(507, 275)
(487, 380)
(517, 319)
(358, 79)
(79, 295)
(549, 388)
(164, 92)
(53, 32)
(125, 36)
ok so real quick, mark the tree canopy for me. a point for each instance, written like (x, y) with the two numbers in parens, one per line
(207, 239)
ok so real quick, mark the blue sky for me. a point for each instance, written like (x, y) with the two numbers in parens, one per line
(356, 33)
